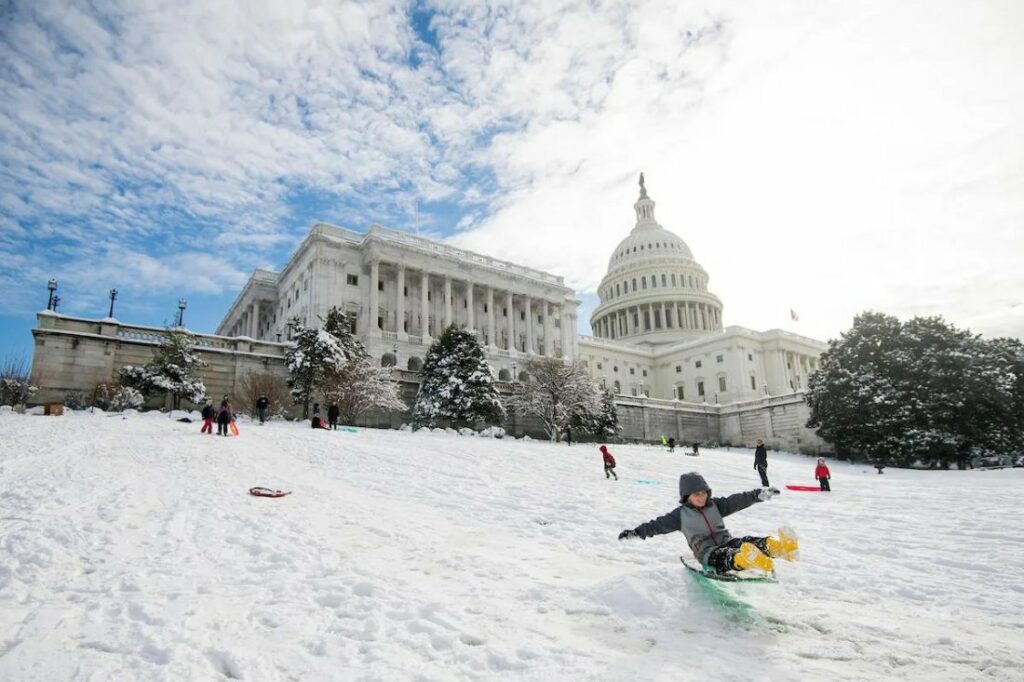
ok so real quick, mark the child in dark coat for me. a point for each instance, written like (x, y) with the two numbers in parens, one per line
(823, 475)
(208, 414)
(699, 517)
(609, 463)
(332, 415)
(224, 417)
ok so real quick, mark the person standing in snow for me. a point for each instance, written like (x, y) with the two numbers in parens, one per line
(208, 414)
(823, 475)
(568, 436)
(332, 416)
(609, 463)
(224, 417)
(696, 449)
(261, 407)
(699, 517)
(761, 462)
(671, 444)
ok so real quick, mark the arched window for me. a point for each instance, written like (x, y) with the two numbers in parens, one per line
(643, 282)
(634, 284)
(654, 281)
(673, 280)
(414, 364)
(616, 289)
(504, 375)
(663, 281)
(387, 360)
(618, 387)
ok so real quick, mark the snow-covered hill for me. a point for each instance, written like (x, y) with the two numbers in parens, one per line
(131, 550)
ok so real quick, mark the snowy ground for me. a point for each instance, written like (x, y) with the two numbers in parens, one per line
(131, 550)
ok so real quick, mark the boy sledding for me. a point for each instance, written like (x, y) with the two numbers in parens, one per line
(699, 517)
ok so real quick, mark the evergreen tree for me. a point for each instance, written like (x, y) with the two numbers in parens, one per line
(312, 355)
(923, 390)
(171, 370)
(456, 385)
(606, 423)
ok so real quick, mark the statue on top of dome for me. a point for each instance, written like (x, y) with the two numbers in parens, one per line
(643, 190)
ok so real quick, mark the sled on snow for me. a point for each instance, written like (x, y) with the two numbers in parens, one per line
(267, 492)
(805, 488)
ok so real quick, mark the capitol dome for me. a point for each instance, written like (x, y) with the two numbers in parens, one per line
(654, 291)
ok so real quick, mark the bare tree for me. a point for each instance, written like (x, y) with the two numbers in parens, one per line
(255, 383)
(15, 386)
(556, 392)
(361, 385)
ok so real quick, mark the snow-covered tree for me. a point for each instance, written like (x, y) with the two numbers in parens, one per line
(599, 417)
(15, 385)
(115, 398)
(457, 387)
(312, 354)
(171, 370)
(360, 384)
(559, 394)
(921, 390)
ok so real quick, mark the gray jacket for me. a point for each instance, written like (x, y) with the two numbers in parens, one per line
(704, 528)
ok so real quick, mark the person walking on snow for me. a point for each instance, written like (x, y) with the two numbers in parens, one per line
(208, 414)
(332, 416)
(261, 407)
(699, 517)
(224, 417)
(671, 444)
(761, 462)
(609, 463)
(823, 475)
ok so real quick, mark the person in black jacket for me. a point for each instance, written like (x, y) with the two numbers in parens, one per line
(261, 407)
(761, 462)
(332, 416)
(224, 417)
(208, 414)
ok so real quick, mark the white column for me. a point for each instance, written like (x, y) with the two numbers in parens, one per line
(447, 301)
(470, 317)
(549, 331)
(561, 330)
(528, 304)
(490, 318)
(511, 325)
(255, 320)
(400, 304)
(664, 319)
(425, 306)
(374, 330)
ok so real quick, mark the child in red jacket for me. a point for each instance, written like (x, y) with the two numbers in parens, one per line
(609, 463)
(821, 473)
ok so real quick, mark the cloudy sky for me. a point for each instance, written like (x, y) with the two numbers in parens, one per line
(828, 157)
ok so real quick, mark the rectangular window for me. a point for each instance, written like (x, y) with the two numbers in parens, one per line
(352, 280)
(599, 365)
(522, 316)
(429, 297)
(721, 384)
(700, 388)
(750, 356)
(753, 383)
(485, 307)
(697, 364)
(380, 285)
(681, 396)
(679, 369)
(645, 372)
(632, 370)
(719, 359)
(405, 291)
(504, 312)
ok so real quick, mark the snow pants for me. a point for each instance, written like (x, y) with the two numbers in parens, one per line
(263, 414)
(222, 428)
(610, 470)
(207, 426)
(720, 558)
(824, 485)
(333, 423)
(763, 471)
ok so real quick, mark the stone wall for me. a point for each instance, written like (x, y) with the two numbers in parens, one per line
(74, 354)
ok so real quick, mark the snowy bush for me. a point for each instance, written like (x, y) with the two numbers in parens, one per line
(116, 398)
(493, 432)
(75, 400)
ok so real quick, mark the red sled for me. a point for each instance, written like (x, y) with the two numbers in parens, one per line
(805, 488)
(267, 492)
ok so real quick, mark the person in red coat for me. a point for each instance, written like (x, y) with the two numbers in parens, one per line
(821, 473)
(609, 463)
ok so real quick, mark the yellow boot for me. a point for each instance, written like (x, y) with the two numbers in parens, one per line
(750, 556)
(785, 546)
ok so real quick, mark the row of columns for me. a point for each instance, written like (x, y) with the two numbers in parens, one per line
(533, 342)
(248, 323)
(699, 316)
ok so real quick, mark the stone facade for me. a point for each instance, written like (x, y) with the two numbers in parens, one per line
(403, 291)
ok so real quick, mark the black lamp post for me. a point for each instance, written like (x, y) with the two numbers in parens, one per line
(515, 377)
(52, 286)
(394, 350)
(279, 336)
(113, 296)
(182, 304)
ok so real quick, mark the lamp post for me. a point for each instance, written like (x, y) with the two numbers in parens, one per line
(181, 311)
(278, 333)
(113, 296)
(515, 376)
(394, 351)
(52, 286)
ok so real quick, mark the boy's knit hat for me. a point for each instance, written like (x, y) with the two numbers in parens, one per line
(690, 483)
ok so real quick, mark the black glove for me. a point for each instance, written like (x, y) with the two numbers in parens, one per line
(628, 535)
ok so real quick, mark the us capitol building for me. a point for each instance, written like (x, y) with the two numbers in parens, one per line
(658, 339)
